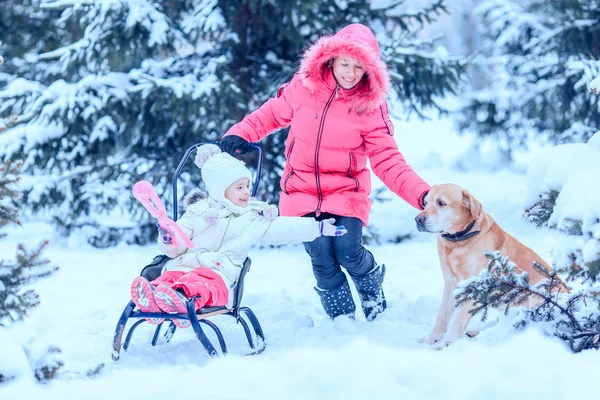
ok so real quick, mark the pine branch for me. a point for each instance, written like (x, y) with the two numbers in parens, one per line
(9, 122)
(540, 212)
(501, 284)
(9, 194)
(423, 16)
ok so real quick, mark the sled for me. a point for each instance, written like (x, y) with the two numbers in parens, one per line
(243, 315)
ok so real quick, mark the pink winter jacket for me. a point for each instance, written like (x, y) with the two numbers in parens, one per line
(333, 132)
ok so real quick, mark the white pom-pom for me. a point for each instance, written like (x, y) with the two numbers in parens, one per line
(270, 212)
(204, 152)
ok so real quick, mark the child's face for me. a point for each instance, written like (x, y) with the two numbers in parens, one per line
(239, 192)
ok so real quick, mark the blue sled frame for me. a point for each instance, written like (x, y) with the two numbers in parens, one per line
(256, 341)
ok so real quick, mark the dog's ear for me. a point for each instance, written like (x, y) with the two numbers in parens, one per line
(472, 203)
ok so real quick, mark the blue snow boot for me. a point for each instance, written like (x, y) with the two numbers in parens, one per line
(337, 301)
(370, 292)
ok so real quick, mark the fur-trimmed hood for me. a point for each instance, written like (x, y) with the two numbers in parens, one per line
(192, 197)
(359, 42)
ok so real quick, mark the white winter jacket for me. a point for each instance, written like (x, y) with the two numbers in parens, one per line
(222, 236)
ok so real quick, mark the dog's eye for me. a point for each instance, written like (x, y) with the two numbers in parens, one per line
(441, 203)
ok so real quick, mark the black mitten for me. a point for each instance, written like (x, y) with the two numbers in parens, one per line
(230, 144)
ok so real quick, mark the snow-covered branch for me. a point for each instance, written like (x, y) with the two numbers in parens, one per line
(594, 86)
(503, 285)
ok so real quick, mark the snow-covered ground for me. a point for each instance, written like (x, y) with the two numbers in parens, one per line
(307, 355)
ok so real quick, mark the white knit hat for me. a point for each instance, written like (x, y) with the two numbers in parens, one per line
(219, 170)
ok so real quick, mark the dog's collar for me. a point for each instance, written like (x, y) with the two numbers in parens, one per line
(462, 235)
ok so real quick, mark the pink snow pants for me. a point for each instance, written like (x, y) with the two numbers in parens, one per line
(202, 282)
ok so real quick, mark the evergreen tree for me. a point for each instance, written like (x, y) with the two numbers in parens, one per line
(574, 318)
(557, 176)
(15, 300)
(139, 82)
(540, 56)
(19, 47)
(29, 265)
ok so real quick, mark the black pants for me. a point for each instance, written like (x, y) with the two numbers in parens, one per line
(328, 254)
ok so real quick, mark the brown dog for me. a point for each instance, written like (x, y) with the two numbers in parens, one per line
(464, 233)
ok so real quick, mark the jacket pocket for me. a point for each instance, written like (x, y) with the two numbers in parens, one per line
(351, 170)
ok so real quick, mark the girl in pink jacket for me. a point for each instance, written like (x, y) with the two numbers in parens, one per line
(338, 117)
(222, 227)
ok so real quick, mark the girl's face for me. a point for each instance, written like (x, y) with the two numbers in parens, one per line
(347, 71)
(239, 192)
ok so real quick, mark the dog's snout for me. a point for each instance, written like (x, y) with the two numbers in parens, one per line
(420, 220)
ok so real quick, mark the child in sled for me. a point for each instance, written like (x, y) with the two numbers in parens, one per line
(223, 226)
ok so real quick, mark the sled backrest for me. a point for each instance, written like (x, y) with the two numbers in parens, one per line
(239, 288)
(246, 148)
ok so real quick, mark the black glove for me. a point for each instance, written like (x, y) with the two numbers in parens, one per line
(229, 144)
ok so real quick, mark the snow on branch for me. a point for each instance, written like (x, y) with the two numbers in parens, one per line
(594, 86)
(423, 16)
(111, 25)
(509, 22)
(573, 318)
(556, 179)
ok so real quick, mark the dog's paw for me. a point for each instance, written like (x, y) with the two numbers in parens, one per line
(442, 345)
(430, 339)
(472, 333)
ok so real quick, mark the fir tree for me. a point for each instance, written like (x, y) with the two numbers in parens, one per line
(573, 318)
(20, 46)
(557, 177)
(540, 56)
(138, 82)
(29, 266)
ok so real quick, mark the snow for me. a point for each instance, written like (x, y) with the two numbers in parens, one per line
(18, 365)
(307, 355)
(594, 86)
(572, 170)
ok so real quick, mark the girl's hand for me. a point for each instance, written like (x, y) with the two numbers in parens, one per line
(327, 228)
(166, 235)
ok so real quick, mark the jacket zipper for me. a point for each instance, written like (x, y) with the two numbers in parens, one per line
(350, 169)
(287, 156)
(319, 137)
(287, 178)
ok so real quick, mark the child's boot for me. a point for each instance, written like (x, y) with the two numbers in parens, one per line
(171, 301)
(337, 301)
(142, 294)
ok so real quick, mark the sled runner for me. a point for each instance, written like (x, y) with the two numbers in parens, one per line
(243, 315)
